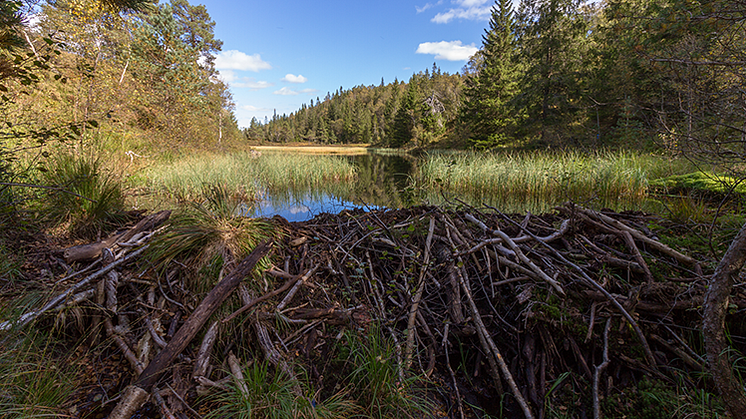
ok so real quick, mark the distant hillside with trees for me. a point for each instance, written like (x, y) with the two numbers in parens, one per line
(553, 73)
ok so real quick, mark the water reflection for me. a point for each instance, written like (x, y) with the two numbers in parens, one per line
(382, 181)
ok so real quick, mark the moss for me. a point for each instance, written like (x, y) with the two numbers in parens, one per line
(700, 181)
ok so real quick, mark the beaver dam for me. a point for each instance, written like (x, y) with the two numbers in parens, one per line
(418, 312)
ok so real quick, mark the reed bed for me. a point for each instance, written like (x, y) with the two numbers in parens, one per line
(248, 174)
(538, 181)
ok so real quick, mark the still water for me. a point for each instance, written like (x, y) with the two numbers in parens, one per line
(383, 180)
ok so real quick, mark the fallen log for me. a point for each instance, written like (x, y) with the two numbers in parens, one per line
(93, 250)
(147, 379)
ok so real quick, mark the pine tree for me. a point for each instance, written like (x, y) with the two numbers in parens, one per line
(486, 108)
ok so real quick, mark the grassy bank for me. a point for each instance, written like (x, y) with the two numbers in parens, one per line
(247, 174)
(538, 181)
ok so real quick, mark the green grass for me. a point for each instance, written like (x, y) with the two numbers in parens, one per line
(87, 198)
(246, 175)
(35, 380)
(375, 380)
(207, 236)
(269, 394)
(538, 181)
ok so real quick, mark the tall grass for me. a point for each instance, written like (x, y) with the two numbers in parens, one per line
(208, 236)
(34, 379)
(247, 174)
(86, 196)
(538, 181)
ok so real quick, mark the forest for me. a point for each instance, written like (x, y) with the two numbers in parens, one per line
(562, 74)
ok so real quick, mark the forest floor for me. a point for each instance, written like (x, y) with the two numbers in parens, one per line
(418, 312)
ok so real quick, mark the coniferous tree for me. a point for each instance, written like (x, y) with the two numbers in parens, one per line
(553, 43)
(486, 108)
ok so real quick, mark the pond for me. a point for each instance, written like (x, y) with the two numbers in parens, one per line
(383, 180)
(517, 182)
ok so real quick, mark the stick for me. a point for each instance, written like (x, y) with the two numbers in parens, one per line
(417, 297)
(489, 345)
(546, 278)
(194, 323)
(648, 353)
(252, 303)
(599, 370)
(638, 256)
(31, 316)
(203, 356)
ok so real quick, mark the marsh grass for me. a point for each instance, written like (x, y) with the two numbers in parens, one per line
(87, 197)
(246, 174)
(537, 181)
(375, 380)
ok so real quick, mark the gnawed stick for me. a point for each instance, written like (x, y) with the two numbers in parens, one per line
(599, 369)
(496, 358)
(237, 372)
(274, 356)
(93, 250)
(32, 315)
(546, 278)
(417, 297)
(648, 353)
(205, 349)
(641, 237)
(638, 256)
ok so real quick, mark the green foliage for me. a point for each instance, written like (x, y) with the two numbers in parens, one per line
(269, 394)
(492, 86)
(376, 381)
(84, 196)
(209, 235)
(538, 181)
(35, 383)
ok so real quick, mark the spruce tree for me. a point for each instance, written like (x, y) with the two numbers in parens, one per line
(486, 108)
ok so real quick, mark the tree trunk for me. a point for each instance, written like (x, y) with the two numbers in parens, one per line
(713, 327)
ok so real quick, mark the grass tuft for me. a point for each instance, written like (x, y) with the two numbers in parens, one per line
(86, 198)
(269, 394)
(208, 236)
(376, 382)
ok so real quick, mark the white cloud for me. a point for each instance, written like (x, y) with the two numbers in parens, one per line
(227, 76)
(285, 92)
(427, 6)
(230, 77)
(291, 78)
(252, 84)
(466, 9)
(237, 60)
(451, 51)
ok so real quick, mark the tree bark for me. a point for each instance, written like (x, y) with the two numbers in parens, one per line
(715, 309)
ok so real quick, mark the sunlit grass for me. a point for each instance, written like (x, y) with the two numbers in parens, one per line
(537, 181)
(246, 174)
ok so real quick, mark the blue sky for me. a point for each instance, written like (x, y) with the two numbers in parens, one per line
(281, 54)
